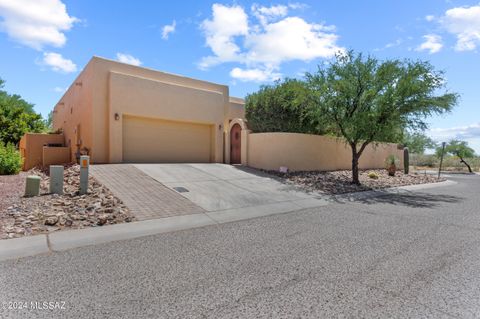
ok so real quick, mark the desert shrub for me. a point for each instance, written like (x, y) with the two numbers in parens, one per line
(449, 162)
(391, 160)
(10, 159)
(373, 175)
(453, 163)
(424, 160)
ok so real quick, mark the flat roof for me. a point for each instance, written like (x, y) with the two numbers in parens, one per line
(155, 70)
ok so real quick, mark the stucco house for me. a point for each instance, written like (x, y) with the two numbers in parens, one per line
(118, 113)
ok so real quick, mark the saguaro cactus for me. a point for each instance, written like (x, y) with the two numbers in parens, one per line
(406, 160)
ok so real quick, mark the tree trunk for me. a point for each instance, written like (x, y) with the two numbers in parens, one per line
(468, 166)
(355, 156)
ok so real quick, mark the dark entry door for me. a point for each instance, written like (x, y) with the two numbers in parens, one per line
(235, 144)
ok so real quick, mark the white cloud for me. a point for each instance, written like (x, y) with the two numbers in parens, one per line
(265, 14)
(58, 63)
(429, 18)
(432, 44)
(297, 5)
(255, 75)
(468, 133)
(220, 32)
(263, 46)
(129, 59)
(459, 132)
(36, 23)
(289, 39)
(167, 29)
(464, 23)
(394, 44)
(59, 89)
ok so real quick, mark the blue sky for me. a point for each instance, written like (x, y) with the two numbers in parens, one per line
(45, 43)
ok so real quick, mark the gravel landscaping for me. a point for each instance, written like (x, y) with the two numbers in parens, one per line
(23, 216)
(339, 182)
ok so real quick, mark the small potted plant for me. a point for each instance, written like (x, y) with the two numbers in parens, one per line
(391, 164)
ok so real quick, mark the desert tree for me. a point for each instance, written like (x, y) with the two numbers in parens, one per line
(459, 149)
(17, 117)
(418, 142)
(364, 100)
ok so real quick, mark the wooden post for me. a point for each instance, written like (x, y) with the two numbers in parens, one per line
(406, 160)
(441, 159)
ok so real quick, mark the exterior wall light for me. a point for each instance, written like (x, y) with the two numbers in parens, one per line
(117, 116)
(219, 127)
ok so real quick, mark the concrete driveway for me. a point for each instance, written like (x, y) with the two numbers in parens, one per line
(225, 188)
(223, 192)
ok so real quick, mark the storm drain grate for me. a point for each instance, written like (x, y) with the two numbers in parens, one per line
(181, 189)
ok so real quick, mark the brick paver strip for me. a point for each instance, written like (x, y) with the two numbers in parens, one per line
(144, 196)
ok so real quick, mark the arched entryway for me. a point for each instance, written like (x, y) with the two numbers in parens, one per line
(236, 144)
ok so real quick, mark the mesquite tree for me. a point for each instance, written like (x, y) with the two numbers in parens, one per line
(459, 149)
(365, 100)
(418, 142)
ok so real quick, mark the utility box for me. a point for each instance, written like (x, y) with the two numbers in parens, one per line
(84, 165)
(32, 186)
(56, 179)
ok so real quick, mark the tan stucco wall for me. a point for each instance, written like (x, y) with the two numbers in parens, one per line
(304, 152)
(110, 87)
(55, 155)
(236, 109)
(73, 113)
(159, 100)
(31, 147)
(144, 92)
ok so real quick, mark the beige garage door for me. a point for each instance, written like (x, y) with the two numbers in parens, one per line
(148, 140)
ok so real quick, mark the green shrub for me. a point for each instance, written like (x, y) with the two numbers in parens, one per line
(10, 159)
(281, 107)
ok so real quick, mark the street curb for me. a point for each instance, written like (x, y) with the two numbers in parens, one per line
(75, 238)
(24, 246)
(64, 240)
(392, 190)
(16, 248)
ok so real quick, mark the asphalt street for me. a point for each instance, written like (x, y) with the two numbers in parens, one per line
(414, 255)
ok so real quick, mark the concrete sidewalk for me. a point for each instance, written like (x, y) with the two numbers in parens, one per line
(68, 239)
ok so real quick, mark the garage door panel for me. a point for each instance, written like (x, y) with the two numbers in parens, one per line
(159, 141)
